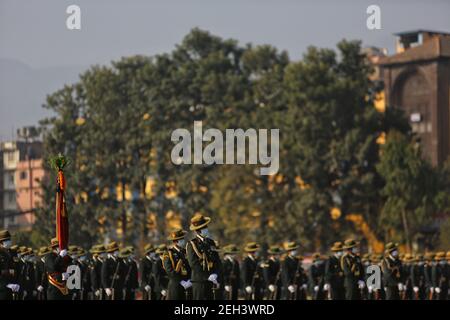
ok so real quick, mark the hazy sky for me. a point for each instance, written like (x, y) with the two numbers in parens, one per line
(38, 54)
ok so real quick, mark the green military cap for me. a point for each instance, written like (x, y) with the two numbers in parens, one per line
(177, 235)
(199, 221)
(429, 256)
(291, 245)
(418, 257)
(391, 246)
(349, 243)
(81, 251)
(162, 248)
(251, 247)
(72, 249)
(230, 249)
(43, 251)
(440, 255)
(54, 243)
(337, 246)
(22, 249)
(149, 248)
(275, 250)
(5, 235)
(316, 256)
(124, 253)
(408, 257)
(111, 247)
(14, 248)
(98, 248)
(365, 257)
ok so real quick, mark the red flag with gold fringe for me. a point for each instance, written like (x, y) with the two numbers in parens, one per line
(62, 221)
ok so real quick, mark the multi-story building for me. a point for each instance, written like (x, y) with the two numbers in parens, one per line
(21, 171)
(417, 80)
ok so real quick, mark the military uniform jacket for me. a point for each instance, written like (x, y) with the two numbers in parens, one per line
(231, 273)
(7, 272)
(55, 265)
(440, 276)
(160, 276)
(252, 274)
(177, 268)
(130, 270)
(95, 270)
(392, 272)
(418, 276)
(333, 272)
(40, 274)
(292, 272)
(28, 280)
(112, 275)
(352, 269)
(146, 272)
(203, 258)
(272, 272)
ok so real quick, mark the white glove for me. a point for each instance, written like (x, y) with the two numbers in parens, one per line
(183, 284)
(370, 288)
(189, 283)
(163, 293)
(316, 288)
(212, 277)
(227, 288)
(291, 288)
(63, 253)
(431, 289)
(40, 288)
(400, 286)
(248, 289)
(147, 288)
(14, 287)
(416, 289)
(97, 293)
(65, 275)
(438, 290)
(108, 292)
(304, 286)
(361, 284)
(326, 287)
(271, 287)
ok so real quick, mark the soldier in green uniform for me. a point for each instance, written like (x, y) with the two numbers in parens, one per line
(353, 270)
(272, 273)
(418, 280)
(29, 276)
(147, 281)
(131, 275)
(231, 272)
(393, 277)
(111, 274)
(334, 276)
(252, 275)
(293, 276)
(408, 263)
(159, 273)
(440, 277)
(177, 267)
(316, 277)
(8, 275)
(95, 269)
(429, 262)
(204, 259)
(41, 273)
(56, 263)
(86, 285)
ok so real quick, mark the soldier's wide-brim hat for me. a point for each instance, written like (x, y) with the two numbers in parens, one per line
(5, 235)
(177, 235)
(418, 257)
(337, 246)
(162, 248)
(251, 247)
(349, 244)
(124, 253)
(408, 257)
(97, 249)
(149, 248)
(365, 257)
(43, 251)
(316, 256)
(274, 250)
(440, 256)
(54, 243)
(429, 256)
(111, 247)
(447, 255)
(292, 245)
(199, 221)
(72, 250)
(22, 250)
(230, 249)
(391, 246)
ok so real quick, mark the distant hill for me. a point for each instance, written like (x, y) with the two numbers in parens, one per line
(23, 91)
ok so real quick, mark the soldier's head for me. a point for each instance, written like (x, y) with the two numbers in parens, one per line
(149, 250)
(440, 258)
(392, 250)
(274, 252)
(230, 251)
(351, 246)
(178, 238)
(337, 249)
(199, 224)
(252, 248)
(317, 259)
(5, 239)
(292, 248)
(113, 249)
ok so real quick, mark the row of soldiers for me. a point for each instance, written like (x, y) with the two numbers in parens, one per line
(198, 269)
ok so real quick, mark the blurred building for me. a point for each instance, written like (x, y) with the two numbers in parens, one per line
(21, 172)
(417, 80)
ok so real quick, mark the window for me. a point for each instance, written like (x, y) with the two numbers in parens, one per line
(23, 175)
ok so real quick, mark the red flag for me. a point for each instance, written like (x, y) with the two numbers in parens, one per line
(62, 221)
